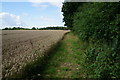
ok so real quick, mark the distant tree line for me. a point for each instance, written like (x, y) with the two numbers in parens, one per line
(34, 28)
(54, 28)
(16, 28)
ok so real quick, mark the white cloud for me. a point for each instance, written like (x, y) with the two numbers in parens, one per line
(10, 20)
(39, 5)
(57, 3)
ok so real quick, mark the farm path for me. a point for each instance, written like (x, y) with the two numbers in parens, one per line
(65, 61)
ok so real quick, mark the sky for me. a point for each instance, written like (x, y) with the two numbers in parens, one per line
(31, 13)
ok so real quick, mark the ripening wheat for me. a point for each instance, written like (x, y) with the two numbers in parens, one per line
(21, 47)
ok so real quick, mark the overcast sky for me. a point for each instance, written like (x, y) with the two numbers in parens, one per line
(38, 13)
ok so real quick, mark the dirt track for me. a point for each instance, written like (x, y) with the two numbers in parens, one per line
(21, 47)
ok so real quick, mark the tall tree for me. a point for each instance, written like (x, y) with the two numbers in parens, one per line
(68, 10)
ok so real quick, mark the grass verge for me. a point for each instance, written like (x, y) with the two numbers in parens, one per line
(66, 60)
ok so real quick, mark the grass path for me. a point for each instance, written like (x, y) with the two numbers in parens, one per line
(66, 60)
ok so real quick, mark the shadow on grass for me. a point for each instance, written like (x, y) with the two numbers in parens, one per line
(34, 70)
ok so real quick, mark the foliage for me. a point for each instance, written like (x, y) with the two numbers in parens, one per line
(97, 21)
(98, 24)
(33, 28)
(16, 28)
(54, 28)
(68, 10)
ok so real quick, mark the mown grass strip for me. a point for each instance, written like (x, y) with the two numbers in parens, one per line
(65, 60)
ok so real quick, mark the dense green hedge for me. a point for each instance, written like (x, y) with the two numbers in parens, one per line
(99, 25)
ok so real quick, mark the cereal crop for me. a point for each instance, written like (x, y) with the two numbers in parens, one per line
(20, 47)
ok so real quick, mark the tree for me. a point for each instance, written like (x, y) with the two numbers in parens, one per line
(33, 28)
(68, 9)
(5, 28)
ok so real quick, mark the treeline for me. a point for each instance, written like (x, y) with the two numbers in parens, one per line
(98, 24)
(33, 28)
(15, 28)
(54, 28)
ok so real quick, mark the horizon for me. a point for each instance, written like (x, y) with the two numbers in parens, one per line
(31, 27)
(31, 14)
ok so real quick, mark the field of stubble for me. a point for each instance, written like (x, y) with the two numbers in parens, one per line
(21, 47)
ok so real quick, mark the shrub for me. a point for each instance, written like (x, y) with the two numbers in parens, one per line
(98, 24)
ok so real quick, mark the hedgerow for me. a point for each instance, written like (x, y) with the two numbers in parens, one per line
(99, 25)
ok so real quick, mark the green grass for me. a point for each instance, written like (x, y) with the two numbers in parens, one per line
(66, 60)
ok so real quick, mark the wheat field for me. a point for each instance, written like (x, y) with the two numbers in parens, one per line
(20, 47)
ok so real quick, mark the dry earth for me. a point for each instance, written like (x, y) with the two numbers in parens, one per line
(24, 46)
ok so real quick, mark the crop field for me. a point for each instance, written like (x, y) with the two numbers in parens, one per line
(20, 47)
